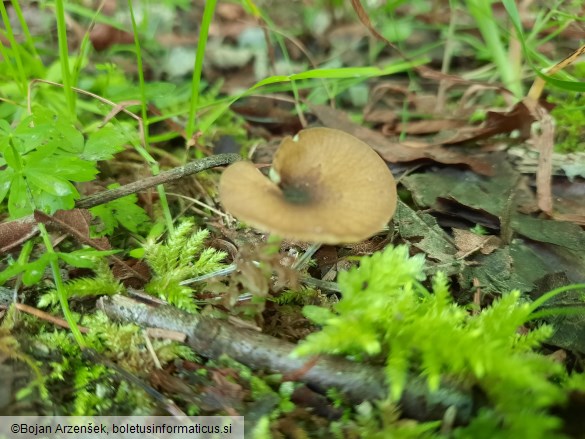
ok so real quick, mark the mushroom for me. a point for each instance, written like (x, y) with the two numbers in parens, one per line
(325, 186)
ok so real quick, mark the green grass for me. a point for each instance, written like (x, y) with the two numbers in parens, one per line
(198, 68)
(155, 169)
(64, 58)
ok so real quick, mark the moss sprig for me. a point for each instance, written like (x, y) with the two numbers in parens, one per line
(386, 311)
(182, 257)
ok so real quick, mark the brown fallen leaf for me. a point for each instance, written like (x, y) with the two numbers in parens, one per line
(15, 233)
(396, 152)
(104, 36)
(570, 217)
(518, 118)
(423, 126)
(468, 243)
(75, 223)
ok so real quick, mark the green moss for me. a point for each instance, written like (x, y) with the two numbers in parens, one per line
(183, 256)
(95, 390)
(569, 115)
(386, 311)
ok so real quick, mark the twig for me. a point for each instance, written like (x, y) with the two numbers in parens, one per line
(47, 317)
(164, 177)
(214, 337)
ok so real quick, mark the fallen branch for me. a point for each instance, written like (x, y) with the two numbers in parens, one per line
(212, 338)
(164, 177)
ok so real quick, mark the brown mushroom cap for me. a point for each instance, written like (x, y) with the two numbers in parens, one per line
(331, 188)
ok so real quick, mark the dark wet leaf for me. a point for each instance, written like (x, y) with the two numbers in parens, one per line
(423, 232)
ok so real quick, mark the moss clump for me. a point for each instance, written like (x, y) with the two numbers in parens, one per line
(569, 115)
(386, 311)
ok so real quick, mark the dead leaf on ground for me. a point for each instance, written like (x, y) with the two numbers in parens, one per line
(17, 232)
(518, 118)
(468, 243)
(422, 126)
(423, 233)
(75, 223)
(103, 36)
(395, 151)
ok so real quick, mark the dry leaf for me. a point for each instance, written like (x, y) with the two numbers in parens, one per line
(468, 242)
(398, 152)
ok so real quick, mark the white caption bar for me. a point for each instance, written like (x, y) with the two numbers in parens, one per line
(119, 427)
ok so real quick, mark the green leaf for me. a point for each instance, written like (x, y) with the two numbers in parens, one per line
(28, 137)
(123, 211)
(85, 258)
(34, 270)
(5, 180)
(66, 166)
(103, 144)
(108, 223)
(4, 144)
(48, 183)
(137, 253)
(49, 203)
(12, 158)
(5, 128)
(131, 216)
(70, 139)
(18, 200)
(10, 272)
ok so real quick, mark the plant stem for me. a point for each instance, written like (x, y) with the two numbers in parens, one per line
(60, 287)
(64, 57)
(197, 69)
(481, 10)
(18, 73)
(144, 102)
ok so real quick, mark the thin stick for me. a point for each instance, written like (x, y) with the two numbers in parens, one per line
(163, 177)
(47, 317)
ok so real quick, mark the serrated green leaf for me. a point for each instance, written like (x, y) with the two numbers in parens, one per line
(12, 159)
(50, 203)
(74, 169)
(103, 144)
(49, 183)
(71, 140)
(65, 166)
(124, 212)
(131, 216)
(18, 201)
(28, 137)
(109, 222)
(5, 181)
